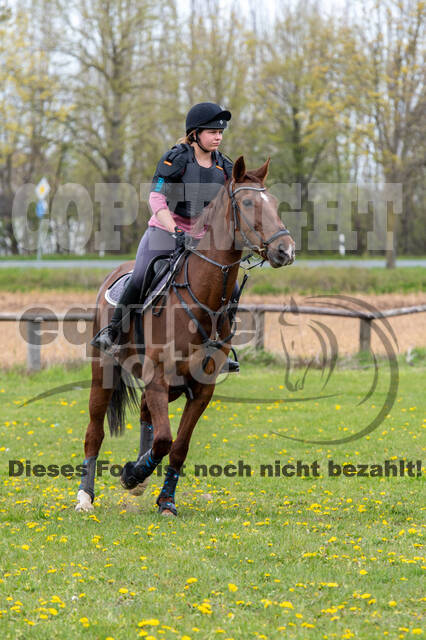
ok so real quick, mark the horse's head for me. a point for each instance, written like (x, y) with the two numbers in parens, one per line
(255, 215)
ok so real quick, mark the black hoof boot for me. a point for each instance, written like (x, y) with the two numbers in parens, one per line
(128, 478)
(167, 508)
(136, 472)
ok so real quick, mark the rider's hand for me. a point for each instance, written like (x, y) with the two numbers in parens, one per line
(182, 239)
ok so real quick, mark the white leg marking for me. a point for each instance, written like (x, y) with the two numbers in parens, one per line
(84, 502)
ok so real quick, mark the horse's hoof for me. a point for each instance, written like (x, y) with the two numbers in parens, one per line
(84, 501)
(127, 479)
(140, 488)
(167, 509)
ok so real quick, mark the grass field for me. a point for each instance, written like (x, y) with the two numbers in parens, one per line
(316, 280)
(248, 557)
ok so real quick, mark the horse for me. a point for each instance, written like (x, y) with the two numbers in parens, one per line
(189, 337)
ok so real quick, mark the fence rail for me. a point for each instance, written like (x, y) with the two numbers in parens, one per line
(34, 321)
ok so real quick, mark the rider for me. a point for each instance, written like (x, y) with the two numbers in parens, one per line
(195, 161)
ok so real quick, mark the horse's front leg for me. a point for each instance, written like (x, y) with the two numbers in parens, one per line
(157, 398)
(178, 452)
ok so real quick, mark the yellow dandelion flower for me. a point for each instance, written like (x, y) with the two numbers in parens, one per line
(232, 587)
(150, 622)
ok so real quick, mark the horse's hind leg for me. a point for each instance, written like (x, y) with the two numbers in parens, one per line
(98, 404)
(157, 395)
(146, 441)
(178, 452)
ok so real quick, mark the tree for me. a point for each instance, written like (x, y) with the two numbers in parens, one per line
(302, 95)
(390, 80)
(216, 66)
(30, 114)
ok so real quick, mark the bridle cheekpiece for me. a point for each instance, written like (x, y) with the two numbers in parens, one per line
(262, 248)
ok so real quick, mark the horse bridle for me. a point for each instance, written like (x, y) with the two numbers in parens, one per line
(238, 215)
(218, 316)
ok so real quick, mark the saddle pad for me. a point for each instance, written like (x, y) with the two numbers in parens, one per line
(113, 293)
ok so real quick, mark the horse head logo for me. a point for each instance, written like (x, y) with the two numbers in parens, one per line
(325, 355)
(307, 384)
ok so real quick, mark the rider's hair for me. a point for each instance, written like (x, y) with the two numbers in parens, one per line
(187, 139)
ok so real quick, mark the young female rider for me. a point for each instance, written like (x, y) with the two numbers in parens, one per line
(187, 178)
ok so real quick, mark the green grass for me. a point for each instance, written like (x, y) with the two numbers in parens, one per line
(45, 279)
(291, 280)
(320, 280)
(258, 557)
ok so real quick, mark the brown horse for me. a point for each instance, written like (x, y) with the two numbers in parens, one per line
(187, 343)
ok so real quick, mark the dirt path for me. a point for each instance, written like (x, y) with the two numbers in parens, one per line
(62, 344)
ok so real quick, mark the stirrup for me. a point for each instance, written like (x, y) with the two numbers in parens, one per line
(231, 366)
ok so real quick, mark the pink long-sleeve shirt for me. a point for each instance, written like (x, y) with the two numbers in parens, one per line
(158, 201)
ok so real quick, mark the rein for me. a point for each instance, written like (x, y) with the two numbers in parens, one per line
(218, 317)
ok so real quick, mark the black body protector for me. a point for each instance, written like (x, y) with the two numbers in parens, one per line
(187, 186)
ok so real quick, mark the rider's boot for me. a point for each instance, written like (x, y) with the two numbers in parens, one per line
(107, 337)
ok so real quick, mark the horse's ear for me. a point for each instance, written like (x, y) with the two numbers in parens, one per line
(239, 169)
(262, 172)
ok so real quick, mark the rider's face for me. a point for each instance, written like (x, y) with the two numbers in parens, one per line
(210, 138)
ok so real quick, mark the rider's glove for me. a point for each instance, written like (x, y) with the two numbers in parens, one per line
(182, 239)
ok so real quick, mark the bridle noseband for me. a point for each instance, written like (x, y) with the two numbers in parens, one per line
(238, 215)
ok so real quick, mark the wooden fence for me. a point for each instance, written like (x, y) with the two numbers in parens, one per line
(34, 321)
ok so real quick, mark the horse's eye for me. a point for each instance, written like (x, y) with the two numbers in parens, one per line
(248, 203)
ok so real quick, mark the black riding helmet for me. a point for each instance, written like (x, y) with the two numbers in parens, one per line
(207, 115)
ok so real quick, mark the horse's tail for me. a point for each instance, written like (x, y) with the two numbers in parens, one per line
(124, 396)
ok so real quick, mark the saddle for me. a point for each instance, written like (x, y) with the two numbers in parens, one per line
(158, 278)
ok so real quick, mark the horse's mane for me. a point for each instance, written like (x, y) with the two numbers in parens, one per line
(206, 215)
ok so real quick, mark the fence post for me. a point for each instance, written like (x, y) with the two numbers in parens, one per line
(259, 342)
(34, 344)
(365, 334)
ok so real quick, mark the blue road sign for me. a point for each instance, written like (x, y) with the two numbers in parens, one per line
(41, 208)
